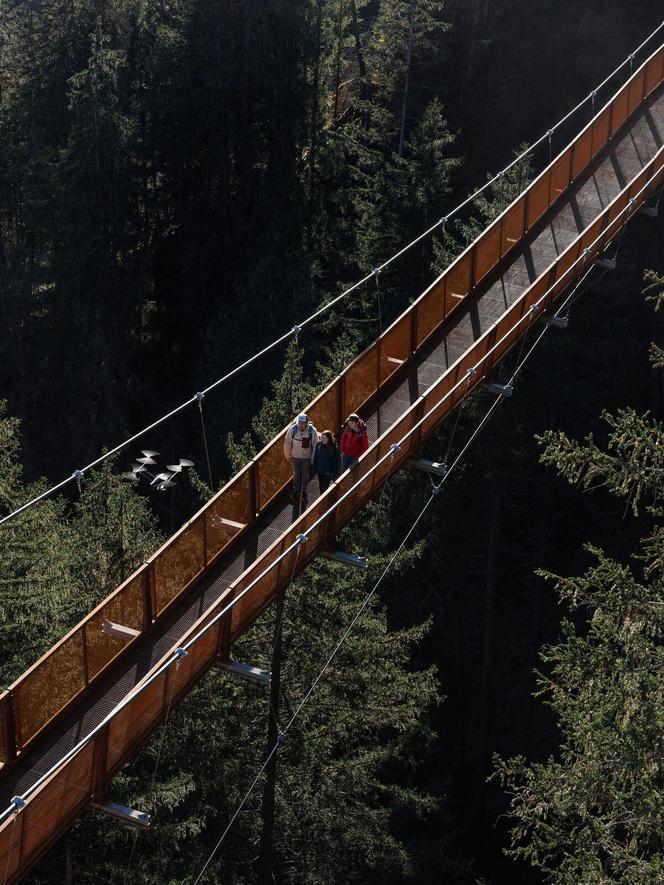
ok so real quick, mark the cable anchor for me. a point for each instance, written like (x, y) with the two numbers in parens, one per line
(180, 653)
(301, 539)
(470, 373)
(18, 802)
(78, 476)
(394, 448)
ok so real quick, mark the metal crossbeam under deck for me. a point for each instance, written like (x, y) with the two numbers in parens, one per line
(574, 210)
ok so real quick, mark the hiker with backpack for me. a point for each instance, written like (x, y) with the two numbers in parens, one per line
(326, 460)
(299, 446)
(354, 441)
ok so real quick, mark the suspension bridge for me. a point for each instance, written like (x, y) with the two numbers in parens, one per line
(74, 718)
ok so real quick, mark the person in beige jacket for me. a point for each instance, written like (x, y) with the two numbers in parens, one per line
(299, 447)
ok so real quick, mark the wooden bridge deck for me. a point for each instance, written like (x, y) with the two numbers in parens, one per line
(634, 147)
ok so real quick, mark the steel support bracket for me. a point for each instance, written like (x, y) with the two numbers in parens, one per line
(246, 671)
(435, 467)
(349, 559)
(555, 321)
(498, 389)
(140, 819)
(119, 631)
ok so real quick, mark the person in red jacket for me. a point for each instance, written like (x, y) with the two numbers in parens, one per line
(354, 441)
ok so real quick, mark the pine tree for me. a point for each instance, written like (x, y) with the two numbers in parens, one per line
(594, 813)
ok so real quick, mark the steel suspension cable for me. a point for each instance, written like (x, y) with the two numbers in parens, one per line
(435, 490)
(18, 801)
(79, 473)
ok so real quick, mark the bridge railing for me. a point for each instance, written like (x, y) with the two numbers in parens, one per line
(276, 567)
(58, 679)
(84, 777)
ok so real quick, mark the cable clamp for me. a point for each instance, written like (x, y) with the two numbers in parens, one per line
(593, 93)
(631, 201)
(301, 539)
(443, 221)
(550, 133)
(180, 653)
(199, 396)
(586, 253)
(533, 308)
(296, 330)
(281, 738)
(376, 271)
(435, 490)
(394, 448)
(470, 373)
(18, 802)
(77, 475)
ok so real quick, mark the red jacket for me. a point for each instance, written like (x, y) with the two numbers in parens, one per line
(354, 443)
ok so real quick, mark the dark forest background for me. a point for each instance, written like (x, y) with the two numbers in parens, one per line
(180, 182)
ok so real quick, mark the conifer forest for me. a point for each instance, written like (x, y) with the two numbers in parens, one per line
(181, 183)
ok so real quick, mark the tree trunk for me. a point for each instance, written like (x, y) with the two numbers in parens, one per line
(364, 85)
(488, 648)
(338, 71)
(409, 55)
(266, 852)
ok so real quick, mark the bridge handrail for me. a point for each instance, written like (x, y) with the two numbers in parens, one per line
(36, 699)
(59, 794)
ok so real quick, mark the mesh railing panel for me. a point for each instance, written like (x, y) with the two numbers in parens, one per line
(273, 472)
(654, 73)
(430, 310)
(228, 513)
(361, 380)
(560, 175)
(4, 729)
(487, 252)
(325, 411)
(249, 606)
(460, 276)
(619, 110)
(60, 797)
(635, 91)
(538, 199)
(11, 833)
(396, 345)
(179, 563)
(127, 608)
(513, 225)
(582, 152)
(127, 727)
(49, 686)
(600, 131)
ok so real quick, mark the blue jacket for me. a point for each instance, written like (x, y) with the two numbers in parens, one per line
(326, 460)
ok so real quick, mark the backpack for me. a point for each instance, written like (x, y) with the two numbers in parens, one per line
(294, 431)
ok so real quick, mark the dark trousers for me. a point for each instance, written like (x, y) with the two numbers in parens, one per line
(324, 480)
(347, 461)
